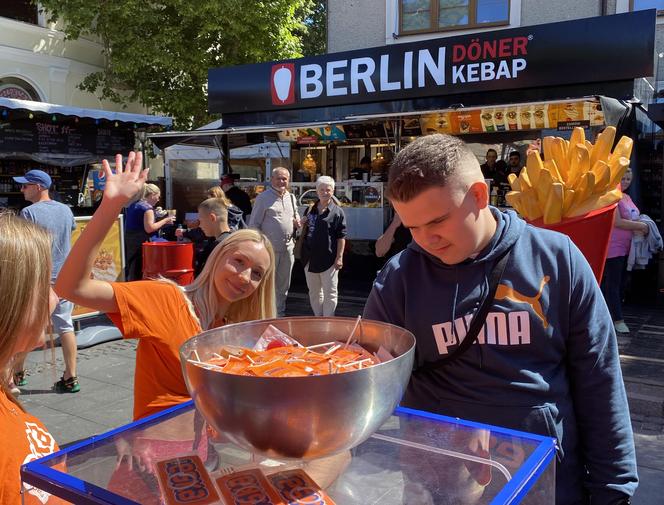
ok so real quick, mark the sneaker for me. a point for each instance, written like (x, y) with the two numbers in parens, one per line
(70, 385)
(620, 327)
(13, 389)
(20, 379)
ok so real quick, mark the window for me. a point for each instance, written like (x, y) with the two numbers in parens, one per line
(642, 5)
(20, 10)
(420, 16)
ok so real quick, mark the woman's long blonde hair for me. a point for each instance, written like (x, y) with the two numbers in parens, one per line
(25, 278)
(205, 299)
(217, 192)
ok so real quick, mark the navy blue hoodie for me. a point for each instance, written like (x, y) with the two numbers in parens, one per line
(546, 361)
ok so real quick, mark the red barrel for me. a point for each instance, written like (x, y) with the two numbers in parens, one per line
(173, 260)
(590, 232)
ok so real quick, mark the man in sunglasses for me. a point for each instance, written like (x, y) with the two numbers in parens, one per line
(58, 219)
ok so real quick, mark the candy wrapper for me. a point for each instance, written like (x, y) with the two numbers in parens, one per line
(273, 337)
(296, 487)
(248, 486)
(185, 480)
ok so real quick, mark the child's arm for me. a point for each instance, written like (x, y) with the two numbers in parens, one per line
(74, 281)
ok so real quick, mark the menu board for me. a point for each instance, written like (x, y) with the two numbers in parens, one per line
(44, 137)
(561, 116)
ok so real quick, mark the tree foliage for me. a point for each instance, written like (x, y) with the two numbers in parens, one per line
(158, 52)
(314, 31)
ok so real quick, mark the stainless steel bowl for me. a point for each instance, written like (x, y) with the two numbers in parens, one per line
(300, 417)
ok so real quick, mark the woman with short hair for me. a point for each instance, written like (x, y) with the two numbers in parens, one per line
(323, 248)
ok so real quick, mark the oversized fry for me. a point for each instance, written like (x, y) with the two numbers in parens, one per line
(574, 178)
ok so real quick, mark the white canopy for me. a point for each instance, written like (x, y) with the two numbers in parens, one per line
(49, 108)
(195, 153)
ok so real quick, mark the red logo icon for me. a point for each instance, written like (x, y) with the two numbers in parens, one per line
(282, 83)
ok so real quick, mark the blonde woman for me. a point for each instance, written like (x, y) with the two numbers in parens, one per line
(27, 303)
(236, 284)
(139, 225)
(235, 215)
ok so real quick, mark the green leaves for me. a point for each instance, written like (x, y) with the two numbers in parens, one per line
(158, 52)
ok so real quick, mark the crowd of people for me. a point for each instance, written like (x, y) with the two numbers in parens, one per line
(542, 357)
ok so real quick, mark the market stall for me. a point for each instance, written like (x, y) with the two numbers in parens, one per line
(500, 88)
(66, 142)
(69, 143)
(191, 170)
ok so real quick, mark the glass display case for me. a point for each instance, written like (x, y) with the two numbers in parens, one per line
(415, 457)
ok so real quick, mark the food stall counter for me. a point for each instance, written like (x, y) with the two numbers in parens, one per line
(415, 457)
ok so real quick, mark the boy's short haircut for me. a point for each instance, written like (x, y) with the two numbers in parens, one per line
(215, 206)
(515, 153)
(430, 161)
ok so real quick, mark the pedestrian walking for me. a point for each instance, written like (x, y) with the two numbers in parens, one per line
(59, 221)
(275, 214)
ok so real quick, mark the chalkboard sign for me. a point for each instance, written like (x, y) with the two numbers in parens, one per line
(31, 136)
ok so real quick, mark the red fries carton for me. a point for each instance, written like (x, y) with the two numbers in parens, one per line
(297, 488)
(247, 486)
(185, 480)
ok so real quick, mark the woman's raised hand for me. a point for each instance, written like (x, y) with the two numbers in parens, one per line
(127, 182)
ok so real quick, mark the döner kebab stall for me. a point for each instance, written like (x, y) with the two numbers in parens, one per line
(302, 410)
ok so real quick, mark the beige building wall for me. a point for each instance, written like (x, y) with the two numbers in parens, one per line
(53, 67)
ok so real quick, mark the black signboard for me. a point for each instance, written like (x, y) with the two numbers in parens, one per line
(45, 137)
(593, 50)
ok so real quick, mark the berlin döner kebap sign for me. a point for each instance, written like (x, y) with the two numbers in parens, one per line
(601, 49)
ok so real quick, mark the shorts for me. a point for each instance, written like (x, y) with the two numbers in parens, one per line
(61, 317)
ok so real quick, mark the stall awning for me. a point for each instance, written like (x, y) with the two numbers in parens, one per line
(66, 110)
(199, 153)
(208, 136)
(68, 136)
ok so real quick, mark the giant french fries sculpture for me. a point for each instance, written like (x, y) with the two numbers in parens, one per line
(574, 178)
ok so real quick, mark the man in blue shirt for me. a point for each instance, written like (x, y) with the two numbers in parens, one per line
(58, 220)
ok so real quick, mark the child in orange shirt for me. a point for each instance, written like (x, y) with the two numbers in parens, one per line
(237, 284)
(27, 302)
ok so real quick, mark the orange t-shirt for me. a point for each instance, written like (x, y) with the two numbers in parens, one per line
(24, 439)
(156, 313)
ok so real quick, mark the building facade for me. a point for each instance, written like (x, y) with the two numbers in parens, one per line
(355, 24)
(358, 24)
(38, 64)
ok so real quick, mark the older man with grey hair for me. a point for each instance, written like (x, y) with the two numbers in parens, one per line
(275, 214)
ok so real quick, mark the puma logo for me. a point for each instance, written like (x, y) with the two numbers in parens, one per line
(508, 293)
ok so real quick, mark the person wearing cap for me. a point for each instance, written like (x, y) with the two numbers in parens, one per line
(237, 196)
(58, 220)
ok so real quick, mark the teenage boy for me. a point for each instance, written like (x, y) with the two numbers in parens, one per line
(546, 358)
(213, 219)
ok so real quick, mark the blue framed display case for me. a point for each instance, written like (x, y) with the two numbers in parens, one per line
(415, 457)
